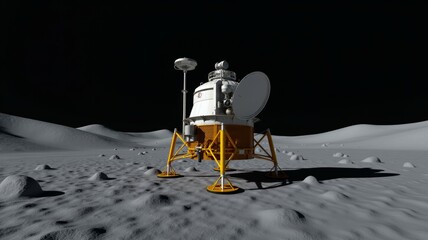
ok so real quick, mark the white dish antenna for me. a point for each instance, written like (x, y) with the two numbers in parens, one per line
(251, 95)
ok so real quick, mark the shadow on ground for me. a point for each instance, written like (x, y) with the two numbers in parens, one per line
(321, 174)
(51, 193)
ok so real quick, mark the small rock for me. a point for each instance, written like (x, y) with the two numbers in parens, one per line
(131, 163)
(98, 176)
(101, 155)
(296, 157)
(152, 172)
(144, 168)
(191, 169)
(43, 167)
(371, 159)
(114, 157)
(280, 218)
(152, 201)
(408, 165)
(311, 180)
(334, 196)
(345, 161)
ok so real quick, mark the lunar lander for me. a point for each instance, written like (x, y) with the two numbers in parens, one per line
(220, 127)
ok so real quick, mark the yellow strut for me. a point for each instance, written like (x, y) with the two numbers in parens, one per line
(275, 171)
(225, 186)
(169, 172)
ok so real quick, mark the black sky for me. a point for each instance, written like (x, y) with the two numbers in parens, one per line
(331, 64)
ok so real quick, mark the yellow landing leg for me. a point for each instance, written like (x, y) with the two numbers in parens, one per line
(226, 168)
(222, 184)
(275, 171)
(169, 172)
(222, 187)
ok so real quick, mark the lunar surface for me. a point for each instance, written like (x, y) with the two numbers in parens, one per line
(92, 182)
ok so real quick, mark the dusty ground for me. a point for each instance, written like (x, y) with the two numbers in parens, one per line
(349, 201)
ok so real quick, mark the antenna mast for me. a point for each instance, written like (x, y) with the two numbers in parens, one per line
(184, 64)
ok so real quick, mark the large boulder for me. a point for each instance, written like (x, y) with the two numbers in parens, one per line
(15, 186)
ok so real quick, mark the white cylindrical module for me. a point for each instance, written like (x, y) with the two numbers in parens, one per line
(213, 105)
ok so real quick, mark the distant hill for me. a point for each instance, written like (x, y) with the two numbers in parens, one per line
(24, 134)
(411, 136)
(154, 138)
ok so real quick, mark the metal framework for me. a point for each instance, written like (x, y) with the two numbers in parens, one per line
(222, 184)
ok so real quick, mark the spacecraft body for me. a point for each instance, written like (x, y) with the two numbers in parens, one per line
(212, 107)
(220, 126)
